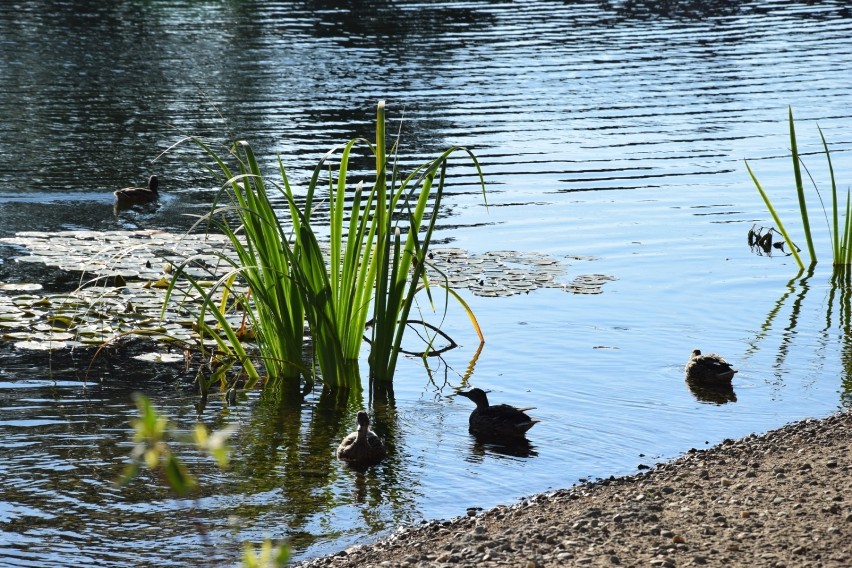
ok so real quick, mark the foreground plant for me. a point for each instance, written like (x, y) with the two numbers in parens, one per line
(152, 435)
(840, 242)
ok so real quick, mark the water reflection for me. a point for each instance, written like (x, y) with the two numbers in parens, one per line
(483, 445)
(678, 9)
(838, 316)
(714, 394)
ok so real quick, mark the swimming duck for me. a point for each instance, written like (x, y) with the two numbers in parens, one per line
(499, 420)
(709, 368)
(361, 447)
(137, 195)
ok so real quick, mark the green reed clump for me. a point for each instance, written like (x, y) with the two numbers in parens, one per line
(841, 241)
(264, 256)
(373, 268)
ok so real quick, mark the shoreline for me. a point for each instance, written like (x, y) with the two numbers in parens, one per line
(778, 499)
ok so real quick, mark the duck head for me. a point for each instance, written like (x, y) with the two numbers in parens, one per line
(153, 183)
(477, 395)
(363, 421)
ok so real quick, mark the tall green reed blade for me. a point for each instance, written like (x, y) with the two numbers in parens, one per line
(839, 243)
(404, 274)
(230, 345)
(337, 288)
(800, 188)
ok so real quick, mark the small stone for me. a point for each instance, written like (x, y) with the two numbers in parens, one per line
(699, 560)
(678, 539)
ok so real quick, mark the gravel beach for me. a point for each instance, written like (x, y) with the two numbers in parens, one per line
(780, 499)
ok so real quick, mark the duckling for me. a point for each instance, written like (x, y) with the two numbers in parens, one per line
(499, 420)
(362, 447)
(709, 368)
(130, 196)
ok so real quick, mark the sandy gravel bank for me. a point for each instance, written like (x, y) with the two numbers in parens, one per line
(778, 499)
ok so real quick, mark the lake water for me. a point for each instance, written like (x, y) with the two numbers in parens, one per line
(612, 136)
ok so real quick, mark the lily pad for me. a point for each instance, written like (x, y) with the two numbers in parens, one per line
(160, 357)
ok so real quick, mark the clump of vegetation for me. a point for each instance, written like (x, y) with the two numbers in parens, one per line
(841, 241)
(152, 434)
(375, 265)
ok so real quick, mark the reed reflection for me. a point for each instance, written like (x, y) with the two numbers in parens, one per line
(287, 449)
(838, 316)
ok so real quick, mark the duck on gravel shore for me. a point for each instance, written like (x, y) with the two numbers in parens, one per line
(497, 421)
(708, 369)
(362, 447)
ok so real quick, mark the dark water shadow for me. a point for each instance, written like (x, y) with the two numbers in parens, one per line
(712, 394)
(483, 445)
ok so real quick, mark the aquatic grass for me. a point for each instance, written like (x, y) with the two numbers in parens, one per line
(263, 262)
(369, 261)
(402, 268)
(370, 268)
(841, 240)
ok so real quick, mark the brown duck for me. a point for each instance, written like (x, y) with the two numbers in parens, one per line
(362, 447)
(130, 196)
(708, 369)
(499, 420)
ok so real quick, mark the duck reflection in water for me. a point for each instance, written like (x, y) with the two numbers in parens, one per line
(129, 196)
(362, 448)
(513, 448)
(714, 394)
(497, 423)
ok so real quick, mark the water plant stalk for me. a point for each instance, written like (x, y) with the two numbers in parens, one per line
(376, 257)
(841, 240)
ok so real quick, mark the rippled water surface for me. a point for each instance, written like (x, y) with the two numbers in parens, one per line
(612, 136)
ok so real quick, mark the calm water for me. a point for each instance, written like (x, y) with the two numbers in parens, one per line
(612, 137)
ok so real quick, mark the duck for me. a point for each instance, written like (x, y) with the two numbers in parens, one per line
(130, 196)
(362, 447)
(499, 421)
(708, 369)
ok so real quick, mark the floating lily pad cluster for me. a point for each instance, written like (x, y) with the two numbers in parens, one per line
(124, 274)
(506, 273)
